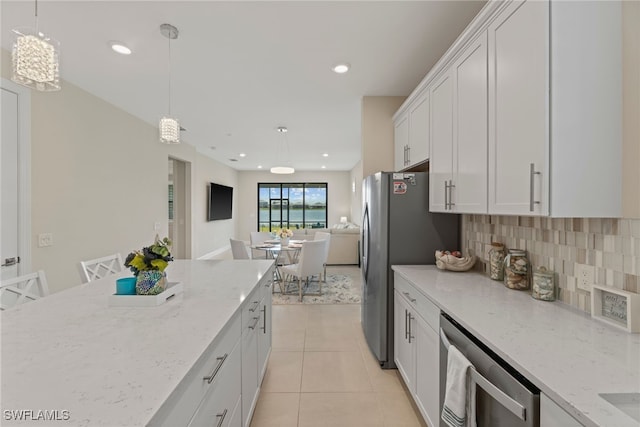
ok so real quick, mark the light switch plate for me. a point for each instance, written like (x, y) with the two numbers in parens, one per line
(44, 240)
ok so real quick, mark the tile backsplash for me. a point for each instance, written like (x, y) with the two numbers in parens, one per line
(611, 245)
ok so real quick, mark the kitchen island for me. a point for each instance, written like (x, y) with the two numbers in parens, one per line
(73, 360)
(570, 357)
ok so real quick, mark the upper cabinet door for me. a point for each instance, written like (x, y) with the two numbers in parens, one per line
(469, 194)
(441, 162)
(401, 142)
(419, 130)
(518, 114)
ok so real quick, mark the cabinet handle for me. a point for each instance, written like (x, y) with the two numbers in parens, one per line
(264, 319)
(532, 173)
(220, 360)
(406, 328)
(410, 319)
(255, 322)
(451, 186)
(221, 416)
(256, 304)
(446, 195)
(408, 295)
(408, 154)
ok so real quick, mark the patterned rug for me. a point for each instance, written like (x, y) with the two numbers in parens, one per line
(339, 289)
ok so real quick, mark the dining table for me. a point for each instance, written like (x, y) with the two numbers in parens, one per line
(283, 254)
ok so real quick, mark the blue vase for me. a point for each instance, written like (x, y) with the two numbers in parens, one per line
(126, 286)
(151, 282)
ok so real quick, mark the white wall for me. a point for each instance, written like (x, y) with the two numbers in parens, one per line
(338, 187)
(99, 183)
(377, 132)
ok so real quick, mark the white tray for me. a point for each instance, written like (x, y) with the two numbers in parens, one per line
(173, 289)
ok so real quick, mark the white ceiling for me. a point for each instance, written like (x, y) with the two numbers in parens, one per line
(241, 69)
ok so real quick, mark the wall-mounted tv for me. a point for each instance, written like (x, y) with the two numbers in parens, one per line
(220, 202)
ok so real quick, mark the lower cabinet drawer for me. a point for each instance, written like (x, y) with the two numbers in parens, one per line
(218, 406)
(185, 399)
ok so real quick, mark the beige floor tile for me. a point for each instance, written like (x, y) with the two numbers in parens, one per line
(398, 411)
(289, 317)
(339, 410)
(276, 410)
(284, 372)
(382, 380)
(342, 371)
(288, 340)
(332, 314)
(331, 338)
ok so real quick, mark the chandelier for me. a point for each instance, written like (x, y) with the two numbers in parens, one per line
(169, 127)
(283, 155)
(35, 59)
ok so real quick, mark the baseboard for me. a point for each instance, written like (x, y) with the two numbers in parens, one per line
(215, 253)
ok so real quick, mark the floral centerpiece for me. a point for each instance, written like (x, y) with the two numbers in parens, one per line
(148, 266)
(284, 234)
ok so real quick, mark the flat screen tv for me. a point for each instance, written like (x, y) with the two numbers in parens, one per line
(220, 202)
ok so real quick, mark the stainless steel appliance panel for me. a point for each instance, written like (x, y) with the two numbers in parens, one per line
(504, 398)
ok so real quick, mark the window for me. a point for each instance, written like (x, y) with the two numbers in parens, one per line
(292, 205)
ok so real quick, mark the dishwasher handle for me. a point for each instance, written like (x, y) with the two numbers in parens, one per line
(498, 395)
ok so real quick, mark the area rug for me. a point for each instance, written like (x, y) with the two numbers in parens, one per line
(339, 289)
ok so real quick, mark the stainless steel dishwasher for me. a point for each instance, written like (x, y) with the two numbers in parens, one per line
(504, 398)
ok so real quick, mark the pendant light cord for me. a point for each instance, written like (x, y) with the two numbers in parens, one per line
(169, 75)
(36, 15)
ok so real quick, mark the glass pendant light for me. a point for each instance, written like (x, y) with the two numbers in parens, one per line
(169, 127)
(36, 59)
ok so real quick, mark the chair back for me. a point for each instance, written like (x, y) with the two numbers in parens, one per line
(23, 289)
(311, 261)
(321, 235)
(98, 268)
(238, 249)
(258, 237)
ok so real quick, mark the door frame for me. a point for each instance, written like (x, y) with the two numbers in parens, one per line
(24, 173)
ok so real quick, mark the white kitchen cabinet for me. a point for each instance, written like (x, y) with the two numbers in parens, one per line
(404, 350)
(552, 415)
(518, 119)
(441, 161)
(554, 109)
(417, 347)
(401, 141)
(411, 137)
(459, 134)
(264, 333)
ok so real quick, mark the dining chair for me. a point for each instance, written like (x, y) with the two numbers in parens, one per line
(321, 235)
(259, 237)
(239, 249)
(23, 289)
(309, 264)
(98, 268)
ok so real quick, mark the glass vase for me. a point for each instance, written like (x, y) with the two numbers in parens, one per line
(496, 261)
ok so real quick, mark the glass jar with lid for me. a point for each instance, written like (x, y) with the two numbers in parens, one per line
(543, 287)
(496, 261)
(516, 270)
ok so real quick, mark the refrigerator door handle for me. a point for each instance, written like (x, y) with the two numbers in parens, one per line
(366, 237)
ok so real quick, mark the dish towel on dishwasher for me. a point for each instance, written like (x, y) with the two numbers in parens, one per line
(459, 397)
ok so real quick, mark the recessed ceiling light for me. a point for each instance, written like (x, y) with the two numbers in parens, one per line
(341, 68)
(323, 167)
(325, 154)
(259, 166)
(243, 155)
(120, 48)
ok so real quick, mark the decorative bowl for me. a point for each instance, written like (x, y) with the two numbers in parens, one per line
(445, 261)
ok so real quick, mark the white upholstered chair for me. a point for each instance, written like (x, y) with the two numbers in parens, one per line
(321, 235)
(309, 264)
(258, 237)
(98, 268)
(23, 289)
(239, 249)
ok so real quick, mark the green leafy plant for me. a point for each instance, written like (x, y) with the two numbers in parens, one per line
(154, 257)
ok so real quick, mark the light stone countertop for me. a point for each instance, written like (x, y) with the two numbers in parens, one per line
(564, 352)
(115, 366)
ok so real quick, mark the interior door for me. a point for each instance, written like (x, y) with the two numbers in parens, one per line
(9, 255)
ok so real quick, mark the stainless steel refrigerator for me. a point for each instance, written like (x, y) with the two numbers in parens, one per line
(397, 228)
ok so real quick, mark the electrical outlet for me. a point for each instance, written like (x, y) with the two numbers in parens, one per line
(44, 240)
(156, 226)
(585, 276)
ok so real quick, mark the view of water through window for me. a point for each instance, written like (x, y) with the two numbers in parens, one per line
(292, 205)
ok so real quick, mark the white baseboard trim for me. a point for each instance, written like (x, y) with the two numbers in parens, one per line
(215, 253)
